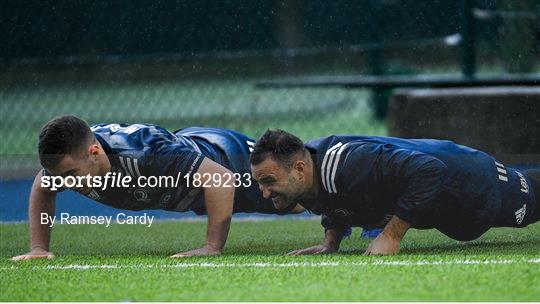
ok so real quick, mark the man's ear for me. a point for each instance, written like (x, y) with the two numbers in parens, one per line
(300, 167)
(93, 149)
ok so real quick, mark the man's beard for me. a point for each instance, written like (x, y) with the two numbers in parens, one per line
(287, 201)
(283, 204)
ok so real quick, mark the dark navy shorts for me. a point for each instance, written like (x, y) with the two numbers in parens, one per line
(519, 206)
(519, 198)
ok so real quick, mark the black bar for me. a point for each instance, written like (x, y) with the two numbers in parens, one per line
(431, 81)
(468, 54)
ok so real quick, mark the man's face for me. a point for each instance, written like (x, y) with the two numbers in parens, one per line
(79, 164)
(276, 181)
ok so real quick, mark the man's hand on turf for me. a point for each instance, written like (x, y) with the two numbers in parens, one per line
(332, 239)
(318, 249)
(383, 244)
(387, 242)
(36, 253)
(204, 251)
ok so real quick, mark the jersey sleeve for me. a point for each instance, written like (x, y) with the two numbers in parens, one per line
(420, 177)
(160, 151)
(416, 176)
(171, 159)
(328, 224)
(348, 167)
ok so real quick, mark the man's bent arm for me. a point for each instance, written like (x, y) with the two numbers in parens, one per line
(396, 228)
(333, 237)
(389, 240)
(219, 206)
(42, 200)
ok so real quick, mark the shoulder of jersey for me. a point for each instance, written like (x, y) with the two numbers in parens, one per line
(332, 156)
(128, 147)
(123, 136)
(130, 164)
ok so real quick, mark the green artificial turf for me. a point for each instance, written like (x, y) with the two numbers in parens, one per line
(130, 263)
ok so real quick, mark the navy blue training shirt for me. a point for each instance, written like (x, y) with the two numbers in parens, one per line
(364, 180)
(149, 150)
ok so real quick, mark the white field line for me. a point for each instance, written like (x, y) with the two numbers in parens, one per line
(277, 265)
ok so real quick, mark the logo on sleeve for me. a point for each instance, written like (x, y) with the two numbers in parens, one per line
(520, 214)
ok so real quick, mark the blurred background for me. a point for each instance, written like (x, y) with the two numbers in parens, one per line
(186, 63)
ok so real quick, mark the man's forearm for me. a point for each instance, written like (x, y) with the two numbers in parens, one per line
(40, 202)
(396, 228)
(219, 205)
(332, 237)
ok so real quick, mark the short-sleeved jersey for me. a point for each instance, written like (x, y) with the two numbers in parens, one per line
(149, 150)
(365, 180)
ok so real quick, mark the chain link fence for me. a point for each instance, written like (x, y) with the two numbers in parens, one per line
(184, 63)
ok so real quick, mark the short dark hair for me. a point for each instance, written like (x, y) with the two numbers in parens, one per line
(278, 144)
(62, 136)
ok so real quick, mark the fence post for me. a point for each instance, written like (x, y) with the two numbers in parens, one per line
(375, 54)
(468, 54)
